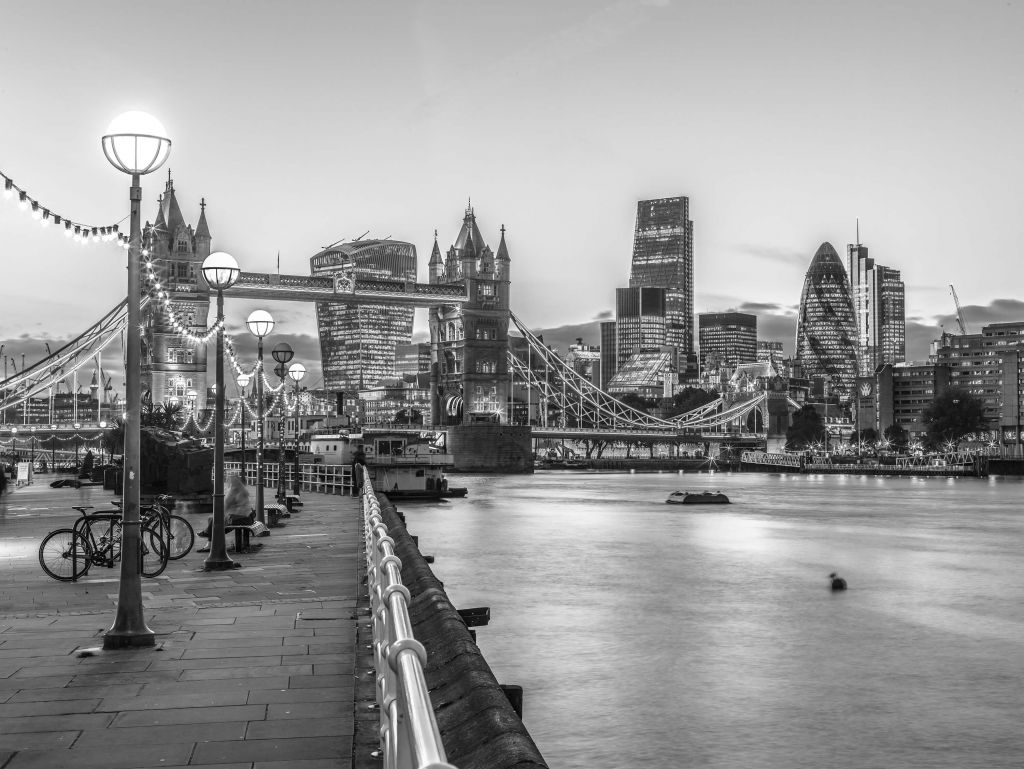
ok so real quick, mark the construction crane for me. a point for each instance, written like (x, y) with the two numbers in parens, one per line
(959, 311)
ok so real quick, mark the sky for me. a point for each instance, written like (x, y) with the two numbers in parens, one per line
(305, 123)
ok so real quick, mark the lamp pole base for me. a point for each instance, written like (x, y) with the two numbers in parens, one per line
(129, 639)
(220, 564)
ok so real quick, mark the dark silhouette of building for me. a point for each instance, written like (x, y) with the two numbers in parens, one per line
(727, 339)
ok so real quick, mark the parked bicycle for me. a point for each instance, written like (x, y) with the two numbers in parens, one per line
(176, 532)
(95, 540)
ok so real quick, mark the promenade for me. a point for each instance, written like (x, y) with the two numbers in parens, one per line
(253, 668)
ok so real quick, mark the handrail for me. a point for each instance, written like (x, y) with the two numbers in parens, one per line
(409, 735)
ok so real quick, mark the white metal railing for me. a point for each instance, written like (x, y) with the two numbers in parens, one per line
(324, 479)
(769, 458)
(409, 736)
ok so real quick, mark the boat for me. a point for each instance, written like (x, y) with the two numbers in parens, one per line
(406, 466)
(697, 498)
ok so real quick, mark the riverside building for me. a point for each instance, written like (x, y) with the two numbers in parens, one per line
(358, 342)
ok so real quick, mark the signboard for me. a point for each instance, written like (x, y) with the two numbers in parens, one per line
(24, 472)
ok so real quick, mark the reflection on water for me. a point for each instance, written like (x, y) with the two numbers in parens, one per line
(671, 636)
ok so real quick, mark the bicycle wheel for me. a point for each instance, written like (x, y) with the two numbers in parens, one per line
(154, 552)
(182, 537)
(64, 555)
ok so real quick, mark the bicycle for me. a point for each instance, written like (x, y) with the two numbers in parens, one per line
(95, 540)
(177, 532)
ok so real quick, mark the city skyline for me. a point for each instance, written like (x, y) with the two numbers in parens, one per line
(555, 121)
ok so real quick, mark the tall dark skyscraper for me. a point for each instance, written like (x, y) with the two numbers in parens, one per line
(727, 339)
(826, 332)
(357, 342)
(877, 293)
(663, 258)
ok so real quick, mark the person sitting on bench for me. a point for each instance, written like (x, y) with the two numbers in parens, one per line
(237, 507)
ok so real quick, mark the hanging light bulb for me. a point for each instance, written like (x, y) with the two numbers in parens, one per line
(8, 188)
(37, 212)
(22, 200)
(46, 217)
(68, 232)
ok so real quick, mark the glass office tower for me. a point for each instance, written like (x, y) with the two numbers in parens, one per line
(663, 258)
(357, 342)
(878, 299)
(826, 333)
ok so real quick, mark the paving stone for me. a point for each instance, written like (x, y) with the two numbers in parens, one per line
(287, 749)
(266, 696)
(189, 715)
(47, 708)
(155, 735)
(65, 722)
(30, 740)
(126, 757)
(289, 710)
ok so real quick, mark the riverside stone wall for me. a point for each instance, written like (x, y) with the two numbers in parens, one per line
(479, 727)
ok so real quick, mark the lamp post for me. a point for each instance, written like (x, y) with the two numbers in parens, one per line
(136, 144)
(77, 439)
(295, 372)
(243, 381)
(260, 323)
(282, 353)
(14, 449)
(220, 271)
(103, 426)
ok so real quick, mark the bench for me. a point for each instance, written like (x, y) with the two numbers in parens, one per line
(292, 501)
(275, 513)
(243, 532)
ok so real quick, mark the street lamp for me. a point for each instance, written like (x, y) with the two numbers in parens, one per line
(260, 323)
(243, 381)
(32, 458)
(220, 271)
(136, 144)
(295, 372)
(282, 354)
(77, 439)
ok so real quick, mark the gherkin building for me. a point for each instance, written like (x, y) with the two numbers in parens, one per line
(826, 332)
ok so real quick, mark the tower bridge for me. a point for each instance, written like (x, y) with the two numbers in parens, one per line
(476, 377)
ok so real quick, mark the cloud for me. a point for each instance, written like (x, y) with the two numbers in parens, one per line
(775, 254)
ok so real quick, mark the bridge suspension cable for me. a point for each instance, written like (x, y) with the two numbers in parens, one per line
(583, 404)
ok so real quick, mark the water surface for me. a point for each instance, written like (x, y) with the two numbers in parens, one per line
(647, 634)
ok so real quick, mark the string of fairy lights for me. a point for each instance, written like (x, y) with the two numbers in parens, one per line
(290, 403)
(85, 233)
(46, 216)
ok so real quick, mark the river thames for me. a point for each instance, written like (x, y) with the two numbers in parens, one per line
(647, 634)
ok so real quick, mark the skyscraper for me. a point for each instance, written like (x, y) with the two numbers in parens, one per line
(877, 294)
(826, 333)
(727, 339)
(357, 342)
(663, 258)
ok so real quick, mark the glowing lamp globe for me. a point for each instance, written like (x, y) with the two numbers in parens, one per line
(243, 380)
(282, 352)
(136, 143)
(260, 323)
(220, 270)
(296, 371)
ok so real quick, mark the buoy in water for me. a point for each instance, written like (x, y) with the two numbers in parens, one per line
(838, 583)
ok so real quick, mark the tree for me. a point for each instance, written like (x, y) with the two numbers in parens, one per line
(113, 439)
(805, 428)
(634, 400)
(898, 438)
(951, 416)
(690, 398)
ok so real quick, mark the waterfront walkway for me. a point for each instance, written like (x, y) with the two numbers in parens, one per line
(253, 668)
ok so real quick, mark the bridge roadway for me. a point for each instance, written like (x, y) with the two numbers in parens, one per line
(622, 434)
(344, 290)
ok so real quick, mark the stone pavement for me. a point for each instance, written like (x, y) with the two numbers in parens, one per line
(253, 668)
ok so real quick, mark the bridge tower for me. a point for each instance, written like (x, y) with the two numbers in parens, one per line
(469, 342)
(173, 366)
